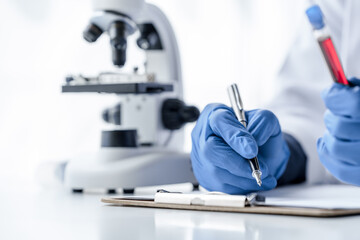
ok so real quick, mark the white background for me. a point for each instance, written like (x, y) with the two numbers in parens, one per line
(221, 41)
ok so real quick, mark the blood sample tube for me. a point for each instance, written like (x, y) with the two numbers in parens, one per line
(323, 37)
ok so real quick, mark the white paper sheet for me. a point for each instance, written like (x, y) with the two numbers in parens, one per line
(318, 196)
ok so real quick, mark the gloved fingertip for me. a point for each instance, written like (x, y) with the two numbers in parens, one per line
(213, 107)
(333, 89)
(250, 113)
(331, 94)
(354, 81)
(272, 183)
(269, 183)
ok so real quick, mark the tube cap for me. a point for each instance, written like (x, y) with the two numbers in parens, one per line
(315, 16)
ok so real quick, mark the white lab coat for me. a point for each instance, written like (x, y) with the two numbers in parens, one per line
(304, 75)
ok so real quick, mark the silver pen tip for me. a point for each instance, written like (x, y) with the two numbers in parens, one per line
(257, 176)
(258, 181)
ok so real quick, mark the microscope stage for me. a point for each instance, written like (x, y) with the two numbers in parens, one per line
(119, 88)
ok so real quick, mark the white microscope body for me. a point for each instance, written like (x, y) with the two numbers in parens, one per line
(145, 148)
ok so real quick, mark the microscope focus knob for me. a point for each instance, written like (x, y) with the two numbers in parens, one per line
(175, 114)
(112, 115)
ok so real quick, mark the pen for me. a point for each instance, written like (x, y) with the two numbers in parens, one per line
(238, 108)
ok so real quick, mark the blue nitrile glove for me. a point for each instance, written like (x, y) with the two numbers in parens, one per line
(221, 144)
(339, 148)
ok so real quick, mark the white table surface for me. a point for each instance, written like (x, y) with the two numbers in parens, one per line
(58, 214)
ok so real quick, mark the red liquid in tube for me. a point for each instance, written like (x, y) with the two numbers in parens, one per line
(333, 61)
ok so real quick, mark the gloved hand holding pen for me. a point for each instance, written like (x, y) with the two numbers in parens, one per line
(339, 148)
(221, 145)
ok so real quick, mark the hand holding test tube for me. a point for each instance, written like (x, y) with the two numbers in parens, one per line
(323, 37)
(338, 149)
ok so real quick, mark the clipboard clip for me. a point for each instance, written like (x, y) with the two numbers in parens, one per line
(215, 199)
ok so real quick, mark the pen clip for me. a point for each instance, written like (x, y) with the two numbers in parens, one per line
(236, 103)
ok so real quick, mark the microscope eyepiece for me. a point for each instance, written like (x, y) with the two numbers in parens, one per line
(92, 33)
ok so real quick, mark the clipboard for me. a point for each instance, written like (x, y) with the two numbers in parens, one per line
(249, 207)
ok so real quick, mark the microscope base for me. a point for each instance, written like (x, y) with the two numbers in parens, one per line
(114, 168)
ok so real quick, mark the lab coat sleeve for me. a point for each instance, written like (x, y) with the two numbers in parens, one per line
(298, 103)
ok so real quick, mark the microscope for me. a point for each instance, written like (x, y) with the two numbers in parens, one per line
(145, 146)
